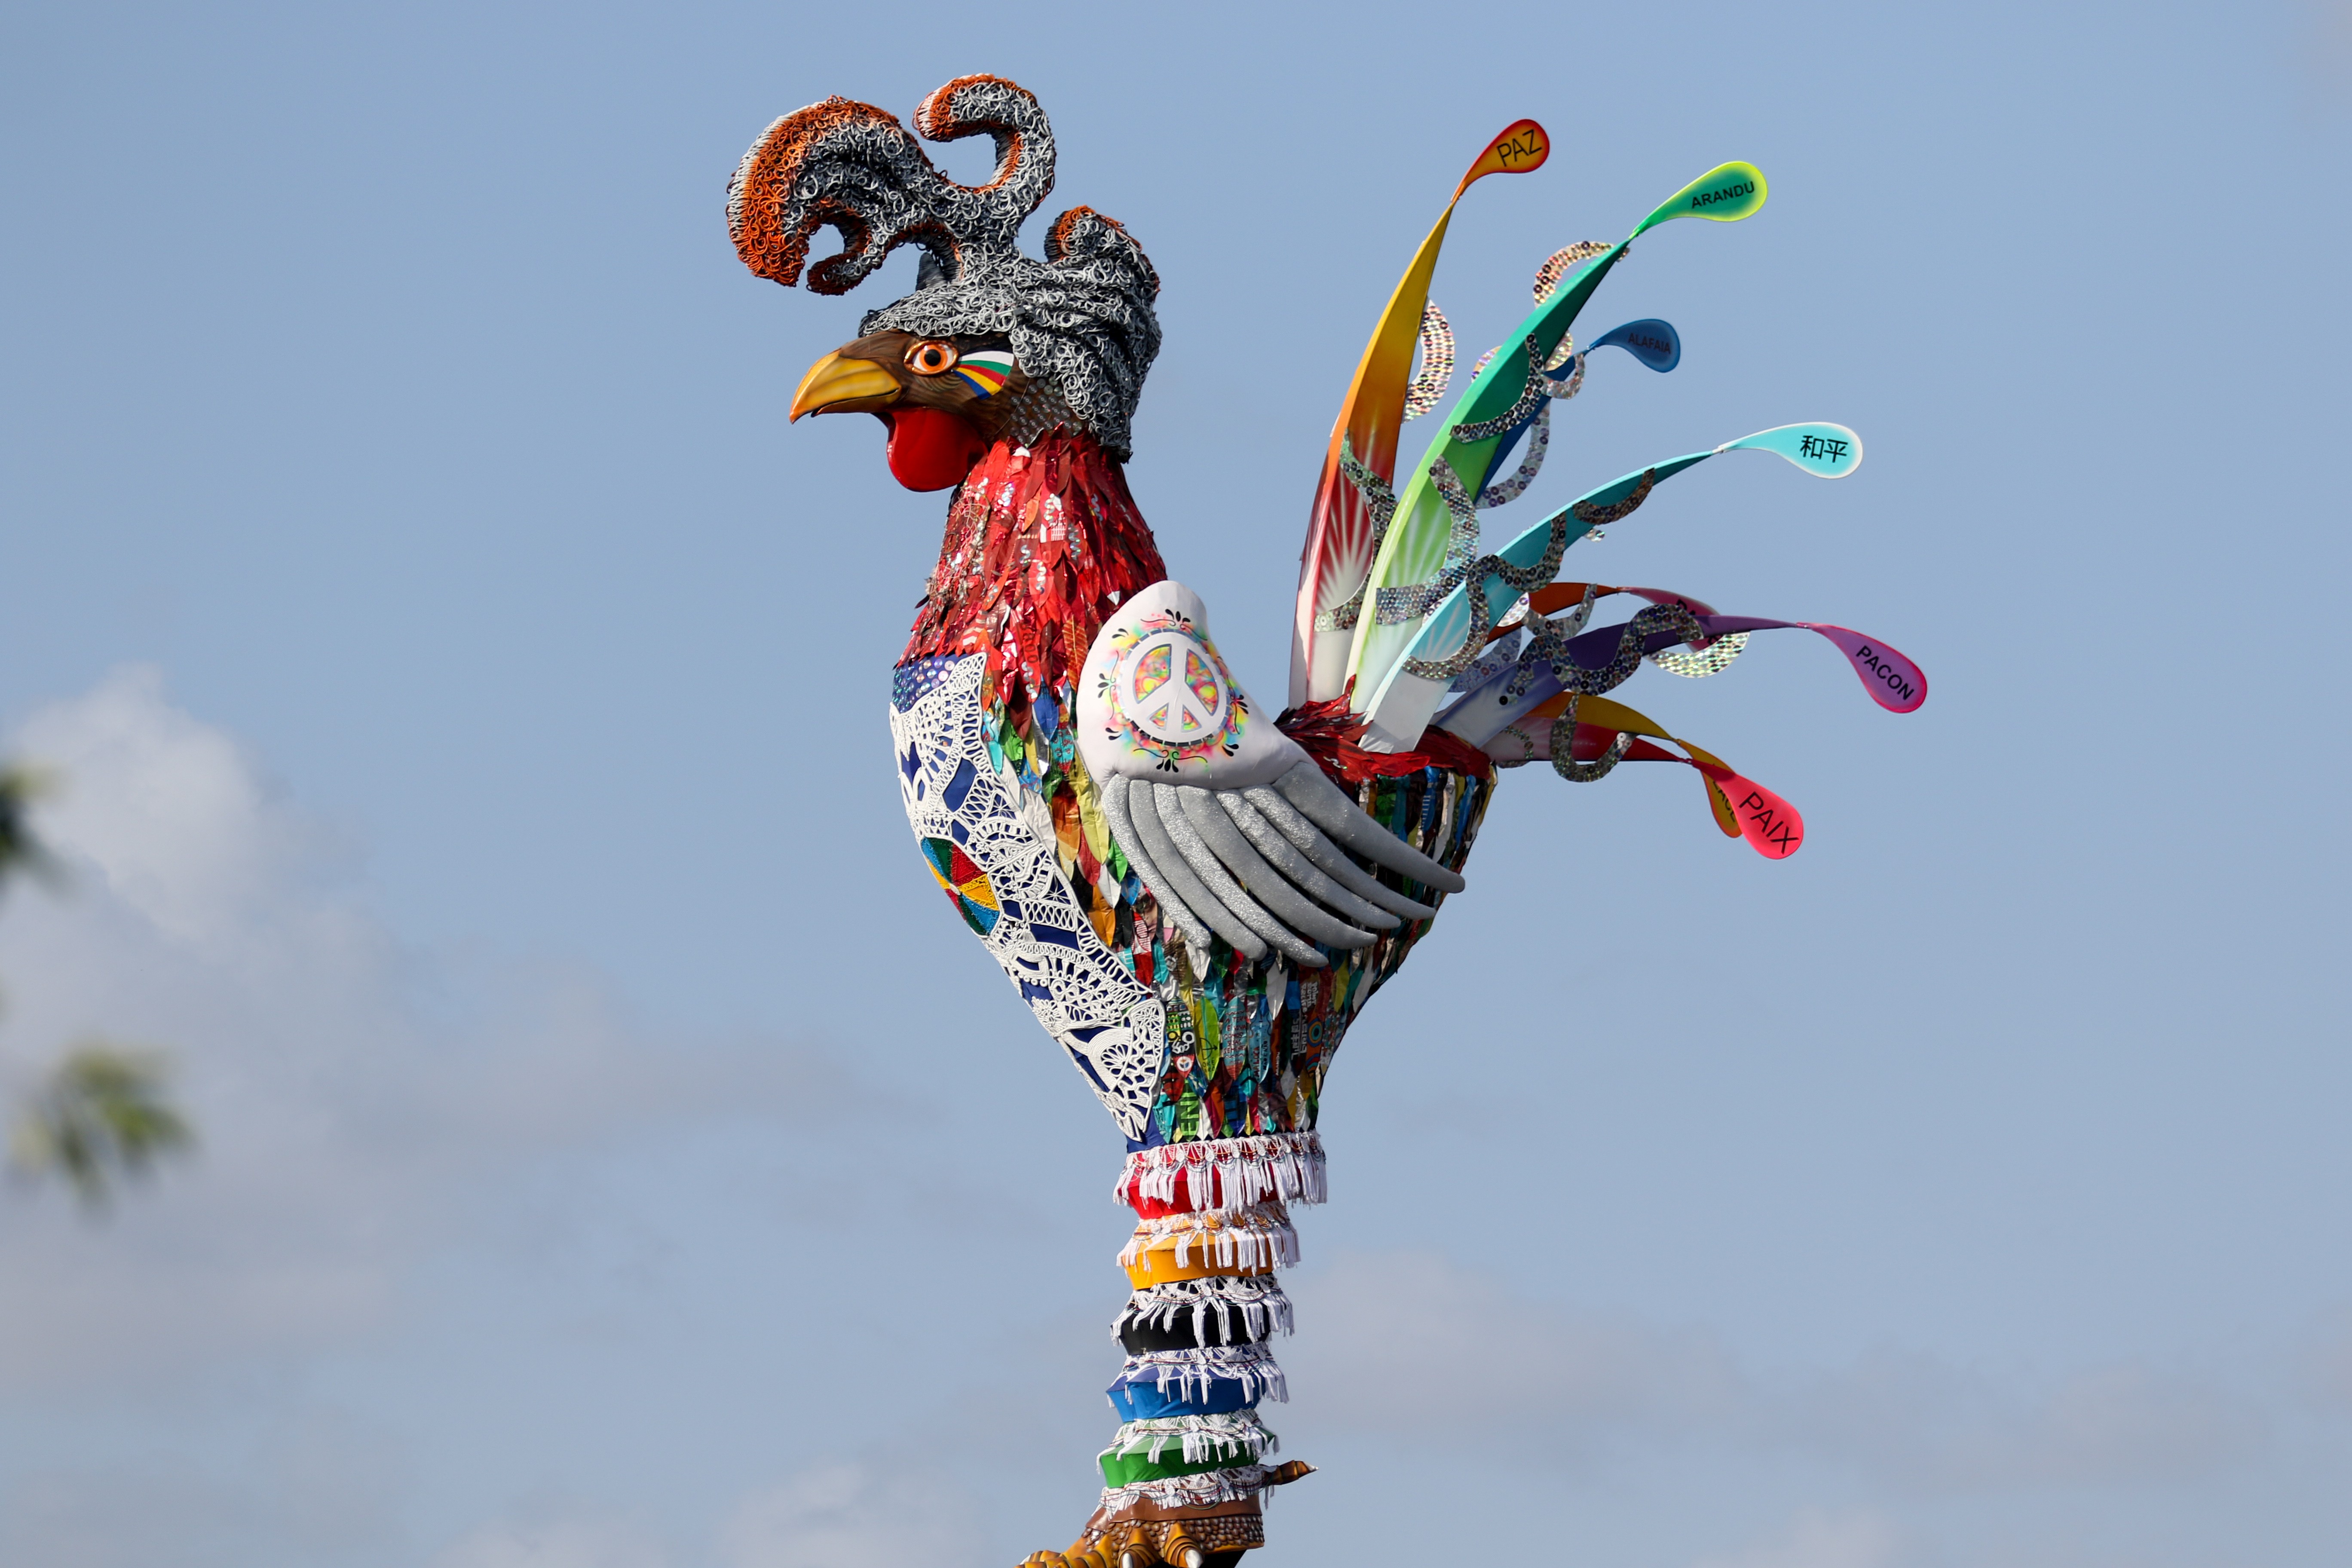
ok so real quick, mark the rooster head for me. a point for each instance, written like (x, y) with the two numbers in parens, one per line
(946, 401)
(993, 345)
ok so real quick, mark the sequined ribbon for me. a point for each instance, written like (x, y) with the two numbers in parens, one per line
(1563, 747)
(1380, 503)
(1436, 364)
(1695, 664)
(1480, 573)
(1532, 398)
(1395, 607)
(1495, 569)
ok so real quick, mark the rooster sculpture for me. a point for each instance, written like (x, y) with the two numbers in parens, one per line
(1194, 896)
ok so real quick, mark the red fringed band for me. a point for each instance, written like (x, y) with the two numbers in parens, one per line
(1227, 1173)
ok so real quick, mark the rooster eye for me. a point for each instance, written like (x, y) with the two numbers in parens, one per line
(929, 359)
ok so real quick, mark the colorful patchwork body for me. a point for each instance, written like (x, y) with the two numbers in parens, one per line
(1212, 1065)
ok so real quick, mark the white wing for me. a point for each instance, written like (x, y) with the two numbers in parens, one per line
(1227, 820)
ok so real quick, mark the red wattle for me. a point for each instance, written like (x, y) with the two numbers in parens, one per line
(931, 449)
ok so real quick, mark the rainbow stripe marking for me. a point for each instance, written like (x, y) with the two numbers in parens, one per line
(986, 370)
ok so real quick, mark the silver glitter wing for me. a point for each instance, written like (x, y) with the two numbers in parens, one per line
(1270, 867)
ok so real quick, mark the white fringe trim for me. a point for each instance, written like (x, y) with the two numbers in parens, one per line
(1258, 1298)
(1201, 1437)
(1228, 1172)
(1250, 1365)
(1259, 1236)
(1187, 1492)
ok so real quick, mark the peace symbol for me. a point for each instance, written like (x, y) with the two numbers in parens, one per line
(1173, 710)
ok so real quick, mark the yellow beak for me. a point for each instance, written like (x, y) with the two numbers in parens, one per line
(834, 382)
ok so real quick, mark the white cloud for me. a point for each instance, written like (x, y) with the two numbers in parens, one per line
(1414, 1344)
(568, 1543)
(1413, 1333)
(1923, 1423)
(351, 1094)
(854, 1514)
(167, 811)
(867, 1514)
(1822, 1540)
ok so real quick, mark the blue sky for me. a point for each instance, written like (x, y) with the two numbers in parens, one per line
(468, 699)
